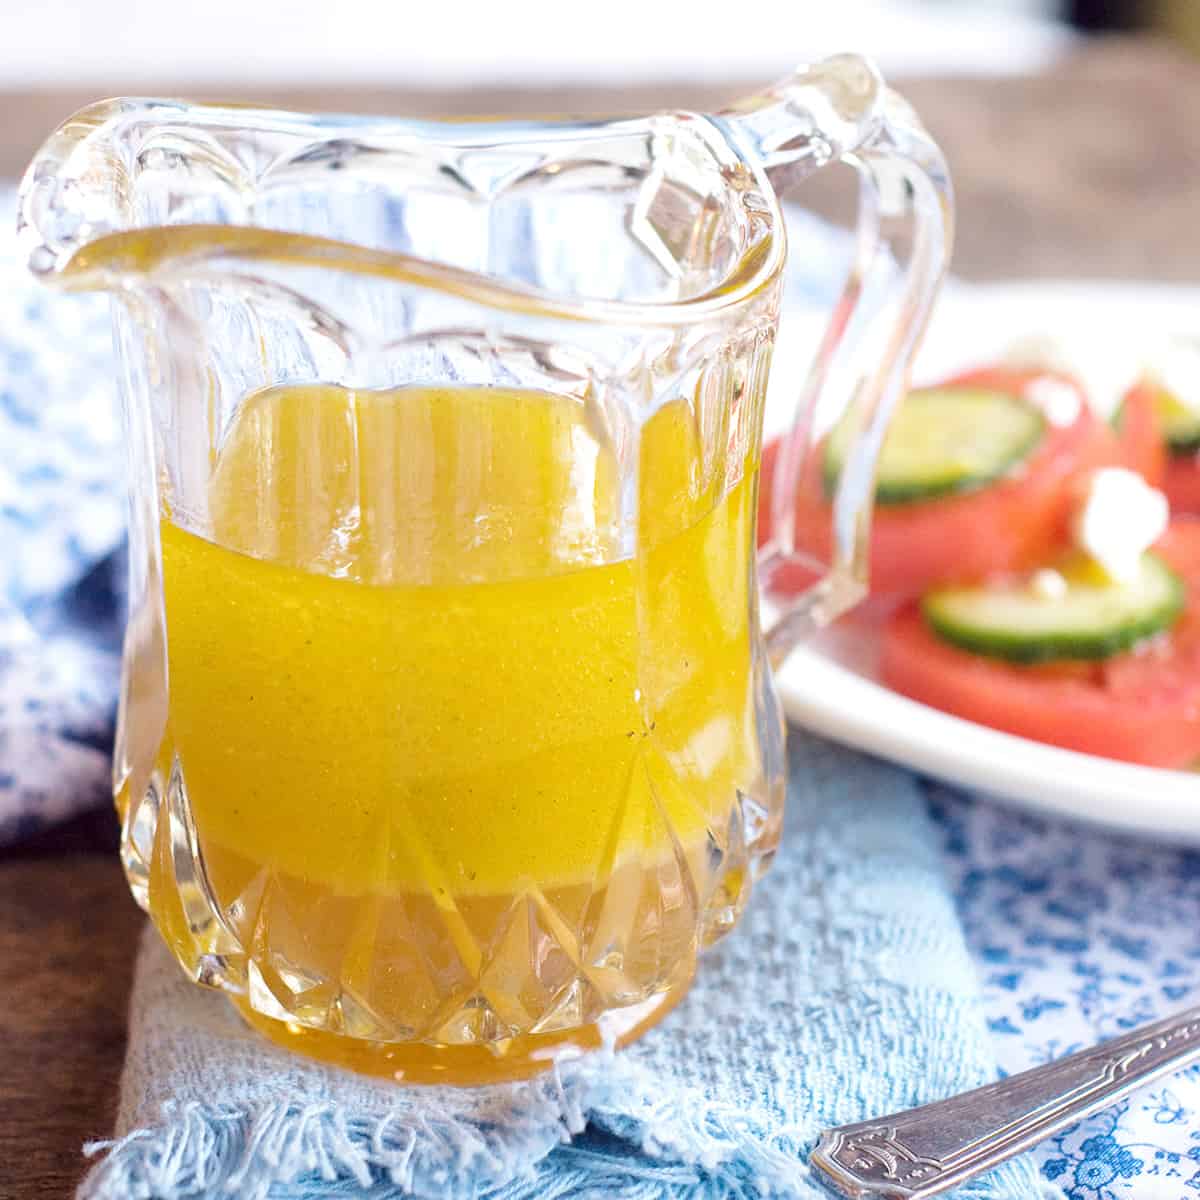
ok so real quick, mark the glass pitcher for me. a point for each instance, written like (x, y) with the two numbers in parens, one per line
(447, 737)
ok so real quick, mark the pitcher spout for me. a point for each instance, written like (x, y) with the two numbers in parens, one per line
(642, 214)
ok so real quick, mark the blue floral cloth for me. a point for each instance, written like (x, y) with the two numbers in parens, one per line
(1078, 936)
(62, 514)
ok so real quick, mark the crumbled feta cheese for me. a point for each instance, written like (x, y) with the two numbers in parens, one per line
(1056, 398)
(1048, 584)
(1121, 517)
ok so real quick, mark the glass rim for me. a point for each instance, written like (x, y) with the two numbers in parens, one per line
(115, 259)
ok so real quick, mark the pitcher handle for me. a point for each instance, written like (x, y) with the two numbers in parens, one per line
(840, 109)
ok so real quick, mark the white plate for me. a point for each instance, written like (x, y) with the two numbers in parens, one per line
(830, 685)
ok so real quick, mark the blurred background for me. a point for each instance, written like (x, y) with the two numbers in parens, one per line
(985, 74)
(270, 42)
(474, 42)
(273, 42)
(57, 51)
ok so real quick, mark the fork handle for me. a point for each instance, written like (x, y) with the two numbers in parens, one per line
(929, 1150)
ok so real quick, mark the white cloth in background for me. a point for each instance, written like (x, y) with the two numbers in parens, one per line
(524, 42)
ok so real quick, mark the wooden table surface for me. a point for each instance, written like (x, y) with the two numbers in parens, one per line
(1092, 171)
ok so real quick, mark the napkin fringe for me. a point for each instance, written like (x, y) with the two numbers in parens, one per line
(203, 1150)
(710, 1153)
(706, 1153)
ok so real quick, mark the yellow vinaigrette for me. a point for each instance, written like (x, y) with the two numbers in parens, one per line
(412, 658)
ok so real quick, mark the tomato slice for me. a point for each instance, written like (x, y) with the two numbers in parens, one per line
(1142, 706)
(1010, 525)
(1182, 483)
(1141, 435)
(1144, 450)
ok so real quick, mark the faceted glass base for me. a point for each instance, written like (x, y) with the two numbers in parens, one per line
(516, 1058)
(457, 989)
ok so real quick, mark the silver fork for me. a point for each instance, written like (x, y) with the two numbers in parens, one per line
(928, 1150)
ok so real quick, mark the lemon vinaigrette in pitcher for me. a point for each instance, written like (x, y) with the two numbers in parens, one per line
(447, 735)
(434, 739)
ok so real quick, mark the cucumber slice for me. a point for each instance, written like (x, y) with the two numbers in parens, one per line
(943, 441)
(1093, 617)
